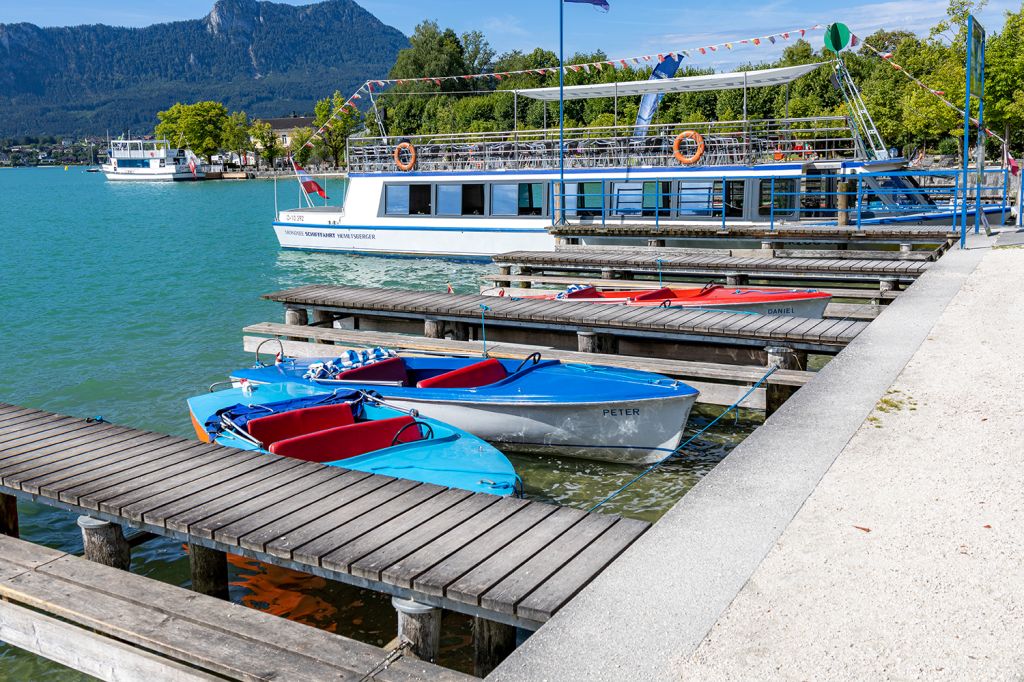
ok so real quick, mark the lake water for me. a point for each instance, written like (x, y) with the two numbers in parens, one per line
(121, 300)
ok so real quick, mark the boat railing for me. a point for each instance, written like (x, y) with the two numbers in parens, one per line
(717, 143)
(848, 199)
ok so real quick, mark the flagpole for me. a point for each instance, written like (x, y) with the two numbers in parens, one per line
(561, 110)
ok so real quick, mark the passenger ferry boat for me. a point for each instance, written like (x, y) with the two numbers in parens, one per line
(150, 160)
(474, 195)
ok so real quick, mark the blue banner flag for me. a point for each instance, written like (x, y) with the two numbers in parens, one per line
(600, 4)
(649, 103)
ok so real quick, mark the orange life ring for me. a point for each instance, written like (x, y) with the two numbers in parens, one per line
(693, 158)
(405, 165)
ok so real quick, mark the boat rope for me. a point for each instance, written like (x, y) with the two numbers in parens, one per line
(387, 661)
(98, 419)
(689, 440)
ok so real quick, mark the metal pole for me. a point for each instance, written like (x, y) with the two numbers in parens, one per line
(561, 109)
(981, 142)
(967, 131)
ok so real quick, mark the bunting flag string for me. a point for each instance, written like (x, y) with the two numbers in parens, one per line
(940, 94)
(372, 86)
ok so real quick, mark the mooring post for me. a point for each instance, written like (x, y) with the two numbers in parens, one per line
(296, 316)
(593, 342)
(209, 568)
(609, 273)
(656, 242)
(492, 644)
(420, 625)
(9, 515)
(906, 248)
(460, 331)
(782, 357)
(736, 280)
(104, 543)
(504, 270)
(843, 204)
(323, 318)
(433, 329)
(887, 284)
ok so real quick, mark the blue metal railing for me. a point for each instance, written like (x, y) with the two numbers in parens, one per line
(869, 198)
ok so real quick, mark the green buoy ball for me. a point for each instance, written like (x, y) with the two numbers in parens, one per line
(837, 37)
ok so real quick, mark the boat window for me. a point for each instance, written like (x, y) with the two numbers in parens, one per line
(460, 199)
(396, 200)
(531, 198)
(449, 200)
(472, 199)
(505, 199)
(419, 199)
(407, 199)
(703, 198)
(522, 198)
(584, 198)
(642, 198)
(785, 192)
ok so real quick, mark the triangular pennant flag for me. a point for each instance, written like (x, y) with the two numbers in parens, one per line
(854, 40)
(623, 63)
(713, 48)
(728, 46)
(771, 39)
(586, 67)
(599, 66)
(703, 51)
(357, 96)
(685, 53)
(437, 81)
(785, 36)
(661, 57)
(756, 41)
(803, 32)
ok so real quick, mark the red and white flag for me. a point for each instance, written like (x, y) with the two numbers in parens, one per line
(309, 185)
(1012, 164)
(450, 290)
(192, 161)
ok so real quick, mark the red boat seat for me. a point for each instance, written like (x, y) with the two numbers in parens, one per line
(343, 442)
(585, 292)
(392, 369)
(664, 292)
(470, 376)
(278, 427)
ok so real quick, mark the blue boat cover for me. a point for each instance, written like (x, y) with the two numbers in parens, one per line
(240, 414)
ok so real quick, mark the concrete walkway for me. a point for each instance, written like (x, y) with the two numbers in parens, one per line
(907, 560)
(873, 529)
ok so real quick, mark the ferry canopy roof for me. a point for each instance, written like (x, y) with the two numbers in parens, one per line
(712, 81)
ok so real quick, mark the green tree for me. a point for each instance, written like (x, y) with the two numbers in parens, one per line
(336, 128)
(268, 145)
(200, 126)
(298, 147)
(236, 137)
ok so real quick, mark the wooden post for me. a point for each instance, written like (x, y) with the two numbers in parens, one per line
(843, 204)
(525, 284)
(887, 284)
(609, 273)
(433, 329)
(492, 644)
(296, 316)
(656, 242)
(593, 342)
(209, 568)
(736, 280)
(104, 543)
(782, 357)
(420, 625)
(9, 515)
(460, 331)
(906, 248)
(504, 270)
(323, 318)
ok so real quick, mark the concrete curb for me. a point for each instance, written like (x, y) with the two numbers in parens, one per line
(657, 602)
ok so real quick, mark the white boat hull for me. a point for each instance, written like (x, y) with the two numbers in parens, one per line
(625, 432)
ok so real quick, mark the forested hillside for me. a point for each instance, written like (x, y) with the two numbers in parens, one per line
(266, 58)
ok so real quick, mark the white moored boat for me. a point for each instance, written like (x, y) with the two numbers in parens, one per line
(150, 160)
(473, 195)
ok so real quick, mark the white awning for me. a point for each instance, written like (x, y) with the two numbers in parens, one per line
(713, 81)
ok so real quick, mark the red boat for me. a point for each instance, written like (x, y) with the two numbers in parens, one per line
(793, 302)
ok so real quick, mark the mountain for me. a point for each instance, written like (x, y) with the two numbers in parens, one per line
(264, 58)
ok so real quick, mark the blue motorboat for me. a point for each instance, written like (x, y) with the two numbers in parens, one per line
(350, 429)
(536, 406)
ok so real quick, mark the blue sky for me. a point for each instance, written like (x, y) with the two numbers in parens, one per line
(630, 28)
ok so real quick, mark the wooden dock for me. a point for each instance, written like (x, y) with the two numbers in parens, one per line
(507, 560)
(735, 269)
(671, 324)
(118, 626)
(789, 232)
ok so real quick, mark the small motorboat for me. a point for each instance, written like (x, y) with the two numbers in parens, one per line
(353, 430)
(793, 302)
(535, 406)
